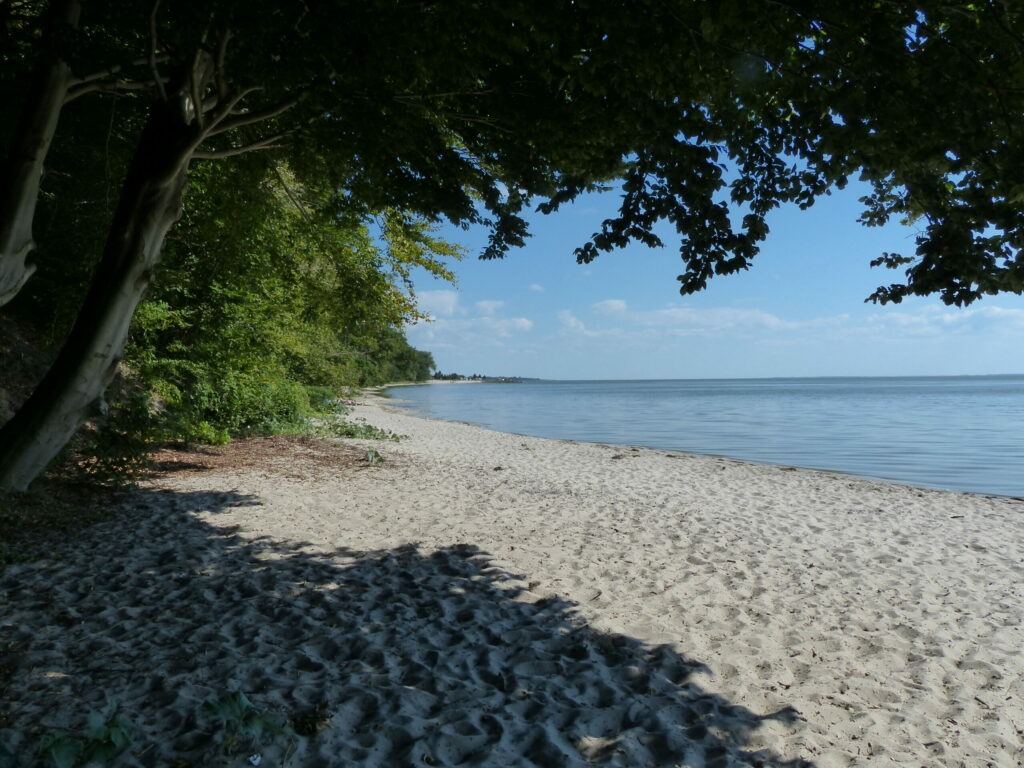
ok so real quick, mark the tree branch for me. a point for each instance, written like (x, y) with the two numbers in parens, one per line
(222, 111)
(217, 154)
(416, 97)
(193, 84)
(117, 68)
(477, 120)
(152, 51)
(248, 118)
(295, 201)
(100, 87)
(93, 82)
(222, 53)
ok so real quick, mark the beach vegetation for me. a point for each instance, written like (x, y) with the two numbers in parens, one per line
(123, 118)
(264, 319)
(241, 724)
(332, 426)
(107, 734)
(312, 720)
(225, 346)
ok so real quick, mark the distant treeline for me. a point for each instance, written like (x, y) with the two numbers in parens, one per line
(439, 376)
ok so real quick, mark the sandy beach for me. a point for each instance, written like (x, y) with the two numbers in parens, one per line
(487, 599)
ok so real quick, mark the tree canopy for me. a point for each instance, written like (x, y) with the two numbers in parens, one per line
(708, 115)
(471, 112)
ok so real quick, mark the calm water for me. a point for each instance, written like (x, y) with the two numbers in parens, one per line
(962, 433)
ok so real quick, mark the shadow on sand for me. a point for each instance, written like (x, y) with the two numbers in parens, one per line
(388, 658)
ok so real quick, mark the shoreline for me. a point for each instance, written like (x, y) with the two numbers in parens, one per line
(483, 598)
(382, 400)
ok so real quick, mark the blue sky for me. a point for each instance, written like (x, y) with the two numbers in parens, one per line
(799, 310)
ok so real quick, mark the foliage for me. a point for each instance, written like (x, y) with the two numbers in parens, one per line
(107, 734)
(711, 115)
(335, 427)
(225, 345)
(268, 308)
(708, 115)
(922, 100)
(311, 720)
(243, 724)
(696, 109)
(113, 450)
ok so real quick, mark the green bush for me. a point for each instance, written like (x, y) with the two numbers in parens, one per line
(204, 434)
(241, 404)
(264, 314)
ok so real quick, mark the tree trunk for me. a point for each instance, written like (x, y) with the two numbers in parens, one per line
(24, 168)
(149, 205)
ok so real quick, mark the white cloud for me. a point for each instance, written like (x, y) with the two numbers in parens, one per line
(715, 320)
(489, 307)
(438, 303)
(611, 306)
(513, 324)
(1003, 314)
(468, 333)
(571, 323)
(537, 288)
(680, 321)
(936, 320)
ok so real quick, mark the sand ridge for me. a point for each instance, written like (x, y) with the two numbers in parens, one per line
(492, 599)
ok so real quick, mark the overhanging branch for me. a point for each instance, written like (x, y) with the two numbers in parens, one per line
(98, 86)
(217, 154)
(225, 109)
(222, 53)
(116, 69)
(195, 75)
(152, 51)
(100, 81)
(240, 120)
(295, 200)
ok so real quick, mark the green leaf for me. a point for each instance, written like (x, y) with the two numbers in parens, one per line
(63, 750)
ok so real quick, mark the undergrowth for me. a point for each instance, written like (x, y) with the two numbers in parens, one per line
(338, 427)
(232, 721)
(106, 735)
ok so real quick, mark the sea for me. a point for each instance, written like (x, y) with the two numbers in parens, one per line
(957, 433)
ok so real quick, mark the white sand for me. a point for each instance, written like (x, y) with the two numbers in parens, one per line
(489, 599)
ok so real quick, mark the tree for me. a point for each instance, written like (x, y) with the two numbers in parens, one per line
(925, 101)
(265, 303)
(473, 111)
(60, 75)
(19, 184)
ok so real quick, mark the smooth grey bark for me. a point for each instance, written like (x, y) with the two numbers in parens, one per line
(149, 205)
(23, 170)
